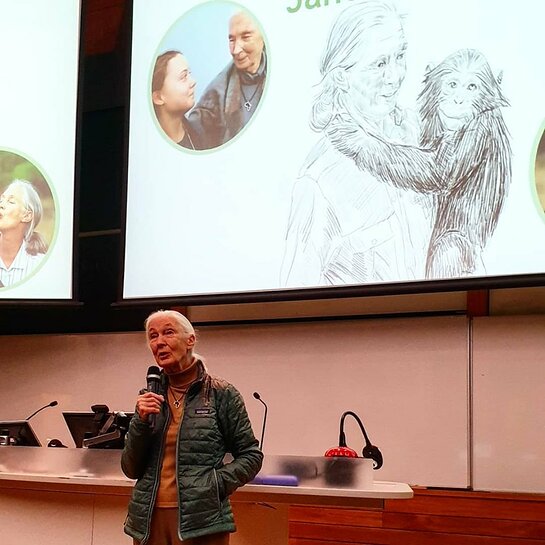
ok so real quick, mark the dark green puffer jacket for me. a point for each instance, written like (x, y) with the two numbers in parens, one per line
(215, 422)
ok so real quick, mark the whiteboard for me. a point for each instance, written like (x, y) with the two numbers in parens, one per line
(405, 378)
(509, 403)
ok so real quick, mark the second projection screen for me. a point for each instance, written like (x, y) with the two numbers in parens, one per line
(297, 144)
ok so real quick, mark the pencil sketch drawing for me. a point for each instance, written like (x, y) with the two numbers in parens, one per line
(464, 157)
(385, 194)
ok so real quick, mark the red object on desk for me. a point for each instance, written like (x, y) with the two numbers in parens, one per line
(341, 452)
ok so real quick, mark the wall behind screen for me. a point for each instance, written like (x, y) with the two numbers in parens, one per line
(406, 379)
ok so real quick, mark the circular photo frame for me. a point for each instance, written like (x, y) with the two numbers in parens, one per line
(209, 76)
(27, 218)
(539, 173)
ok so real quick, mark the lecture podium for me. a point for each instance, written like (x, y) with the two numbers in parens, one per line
(75, 496)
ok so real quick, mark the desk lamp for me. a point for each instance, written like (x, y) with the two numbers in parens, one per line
(343, 451)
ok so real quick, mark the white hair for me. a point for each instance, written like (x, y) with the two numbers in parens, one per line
(178, 317)
(32, 203)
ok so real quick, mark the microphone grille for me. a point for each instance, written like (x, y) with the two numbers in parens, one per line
(256, 395)
(53, 403)
(154, 370)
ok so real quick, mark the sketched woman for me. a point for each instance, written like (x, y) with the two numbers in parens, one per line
(345, 225)
(21, 247)
(464, 158)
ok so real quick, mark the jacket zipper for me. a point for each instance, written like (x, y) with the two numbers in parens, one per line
(186, 398)
(177, 472)
(157, 479)
(217, 488)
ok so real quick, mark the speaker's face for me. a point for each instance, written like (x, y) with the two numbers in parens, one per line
(169, 343)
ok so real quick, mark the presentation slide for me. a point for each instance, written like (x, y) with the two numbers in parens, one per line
(296, 144)
(40, 41)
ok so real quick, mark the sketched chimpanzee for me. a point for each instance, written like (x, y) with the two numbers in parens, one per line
(464, 158)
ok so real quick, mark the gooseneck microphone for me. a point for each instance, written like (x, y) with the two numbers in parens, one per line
(258, 397)
(153, 384)
(52, 404)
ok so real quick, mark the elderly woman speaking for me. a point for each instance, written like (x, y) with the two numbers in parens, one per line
(183, 482)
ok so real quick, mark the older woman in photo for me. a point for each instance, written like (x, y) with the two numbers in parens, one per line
(346, 226)
(233, 96)
(173, 95)
(21, 247)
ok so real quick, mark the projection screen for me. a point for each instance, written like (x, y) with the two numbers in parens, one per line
(39, 91)
(283, 146)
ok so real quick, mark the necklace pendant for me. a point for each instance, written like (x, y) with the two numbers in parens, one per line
(248, 105)
(177, 404)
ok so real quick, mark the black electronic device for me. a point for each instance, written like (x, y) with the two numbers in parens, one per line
(99, 428)
(18, 433)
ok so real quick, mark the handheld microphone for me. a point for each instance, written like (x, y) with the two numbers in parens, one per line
(52, 404)
(258, 397)
(153, 384)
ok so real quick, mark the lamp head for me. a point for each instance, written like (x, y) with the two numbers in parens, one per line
(372, 452)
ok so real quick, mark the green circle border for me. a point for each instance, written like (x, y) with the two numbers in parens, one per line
(57, 216)
(535, 197)
(258, 109)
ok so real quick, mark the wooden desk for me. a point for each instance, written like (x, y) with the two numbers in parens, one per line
(80, 497)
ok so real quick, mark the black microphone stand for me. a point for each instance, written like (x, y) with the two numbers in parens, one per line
(258, 397)
(52, 404)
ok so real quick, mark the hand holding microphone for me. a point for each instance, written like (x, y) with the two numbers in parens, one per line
(149, 403)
